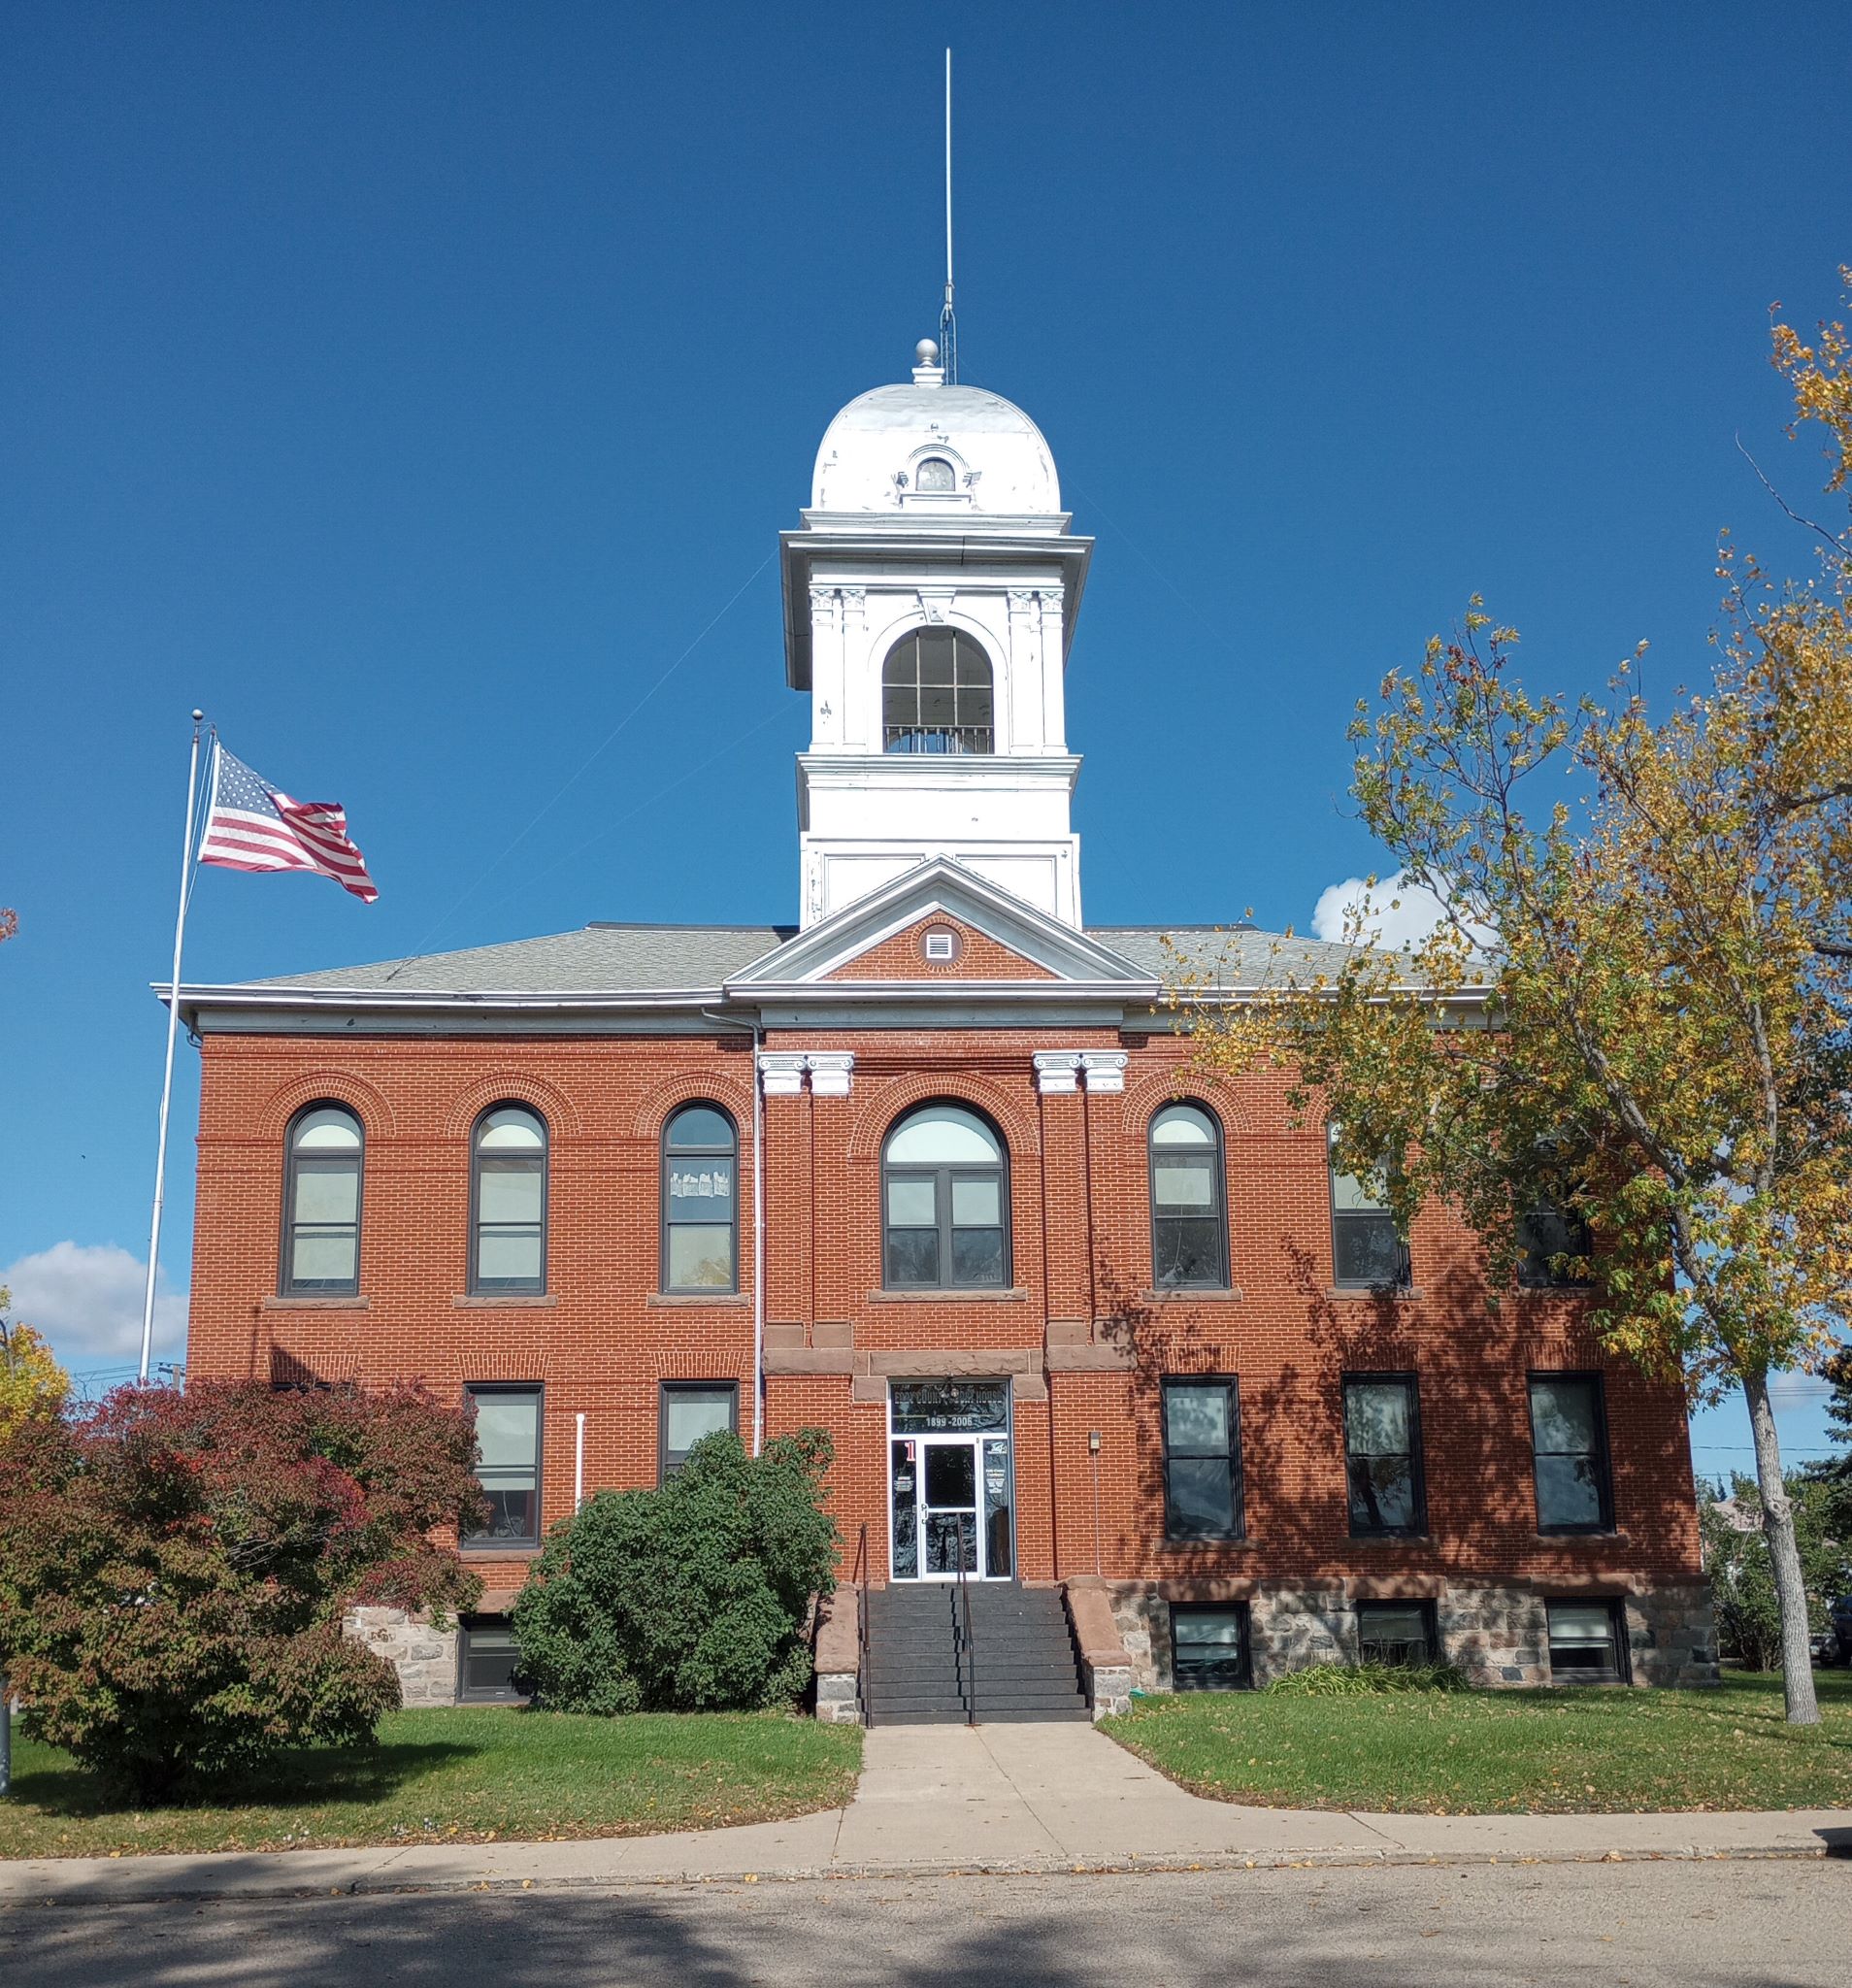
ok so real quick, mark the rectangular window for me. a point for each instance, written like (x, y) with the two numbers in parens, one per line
(1568, 1439)
(690, 1410)
(1383, 1455)
(1549, 1242)
(1397, 1633)
(1367, 1249)
(1202, 1460)
(486, 1660)
(1208, 1646)
(1587, 1643)
(508, 1455)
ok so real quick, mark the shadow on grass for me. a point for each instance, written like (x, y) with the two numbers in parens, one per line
(309, 1777)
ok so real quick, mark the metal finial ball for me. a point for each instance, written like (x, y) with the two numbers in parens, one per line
(198, 715)
(926, 353)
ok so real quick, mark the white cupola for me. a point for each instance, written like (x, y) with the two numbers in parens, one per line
(929, 600)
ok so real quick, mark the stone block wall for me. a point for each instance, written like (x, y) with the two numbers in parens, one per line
(1497, 1635)
(423, 1654)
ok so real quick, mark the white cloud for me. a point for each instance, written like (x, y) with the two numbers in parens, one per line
(1395, 913)
(87, 1298)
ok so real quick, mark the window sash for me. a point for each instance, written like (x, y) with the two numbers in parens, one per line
(509, 1431)
(1587, 1641)
(1209, 1647)
(700, 1205)
(945, 1253)
(1201, 1468)
(689, 1413)
(486, 1661)
(1546, 1232)
(1382, 1456)
(1396, 1633)
(323, 1206)
(1568, 1445)
(508, 1231)
(1189, 1211)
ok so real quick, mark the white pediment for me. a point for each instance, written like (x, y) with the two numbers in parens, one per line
(940, 884)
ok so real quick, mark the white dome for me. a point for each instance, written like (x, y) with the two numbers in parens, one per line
(998, 462)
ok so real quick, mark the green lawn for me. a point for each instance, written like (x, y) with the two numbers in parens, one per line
(1511, 1752)
(462, 1776)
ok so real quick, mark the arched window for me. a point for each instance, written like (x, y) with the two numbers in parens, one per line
(933, 476)
(945, 1185)
(1189, 1217)
(508, 1201)
(321, 1204)
(935, 694)
(700, 1205)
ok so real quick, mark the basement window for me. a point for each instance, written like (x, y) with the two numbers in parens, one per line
(1587, 1645)
(1208, 1648)
(487, 1658)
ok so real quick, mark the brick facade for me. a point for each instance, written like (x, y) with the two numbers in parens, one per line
(1078, 1329)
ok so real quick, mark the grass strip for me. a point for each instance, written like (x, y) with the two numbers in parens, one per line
(1502, 1753)
(461, 1777)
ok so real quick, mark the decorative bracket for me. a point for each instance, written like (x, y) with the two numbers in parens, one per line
(781, 1071)
(1059, 1073)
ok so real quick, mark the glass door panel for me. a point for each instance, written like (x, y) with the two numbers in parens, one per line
(999, 1560)
(906, 1489)
(950, 1505)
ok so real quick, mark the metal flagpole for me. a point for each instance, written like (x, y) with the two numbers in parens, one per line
(167, 1080)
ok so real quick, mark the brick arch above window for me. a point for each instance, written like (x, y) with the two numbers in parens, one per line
(705, 1086)
(512, 1087)
(888, 1102)
(328, 1087)
(1148, 1095)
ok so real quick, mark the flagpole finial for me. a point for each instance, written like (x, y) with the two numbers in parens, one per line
(199, 716)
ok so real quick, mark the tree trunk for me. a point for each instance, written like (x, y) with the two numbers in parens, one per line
(1784, 1557)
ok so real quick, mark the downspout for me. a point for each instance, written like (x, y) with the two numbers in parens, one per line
(757, 1032)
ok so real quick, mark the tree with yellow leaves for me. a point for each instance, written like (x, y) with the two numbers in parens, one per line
(1636, 1010)
(31, 1380)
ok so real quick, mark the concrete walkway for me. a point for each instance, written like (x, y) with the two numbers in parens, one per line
(954, 1799)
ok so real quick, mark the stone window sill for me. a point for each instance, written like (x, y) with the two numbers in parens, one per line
(1204, 1543)
(1392, 1539)
(1194, 1294)
(949, 1296)
(317, 1303)
(498, 1550)
(735, 1298)
(499, 1301)
(1398, 1294)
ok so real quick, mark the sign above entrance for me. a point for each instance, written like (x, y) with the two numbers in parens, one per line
(929, 1407)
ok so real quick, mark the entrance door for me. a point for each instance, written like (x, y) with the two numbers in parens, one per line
(951, 1487)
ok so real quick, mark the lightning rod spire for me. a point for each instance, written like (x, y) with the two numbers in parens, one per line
(947, 316)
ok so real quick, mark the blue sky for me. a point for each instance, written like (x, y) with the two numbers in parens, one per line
(410, 385)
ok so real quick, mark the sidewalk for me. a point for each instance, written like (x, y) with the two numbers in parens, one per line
(935, 1799)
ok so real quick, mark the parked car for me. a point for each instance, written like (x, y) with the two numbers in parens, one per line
(1840, 1632)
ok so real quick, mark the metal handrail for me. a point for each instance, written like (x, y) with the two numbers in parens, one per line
(859, 1575)
(970, 1638)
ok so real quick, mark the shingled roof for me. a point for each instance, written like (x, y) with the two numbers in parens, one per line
(642, 959)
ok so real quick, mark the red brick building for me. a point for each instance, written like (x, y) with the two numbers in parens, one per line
(931, 1169)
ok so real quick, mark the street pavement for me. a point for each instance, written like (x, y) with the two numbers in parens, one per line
(1773, 1924)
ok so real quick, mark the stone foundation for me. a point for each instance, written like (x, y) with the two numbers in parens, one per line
(422, 1654)
(1497, 1635)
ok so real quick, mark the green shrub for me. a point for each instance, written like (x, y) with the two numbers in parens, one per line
(1361, 1681)
(691, 1596)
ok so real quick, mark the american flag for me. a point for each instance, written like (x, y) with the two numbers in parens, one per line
(251, 825)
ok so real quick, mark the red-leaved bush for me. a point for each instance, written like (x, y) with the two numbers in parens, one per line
(174, 1569)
